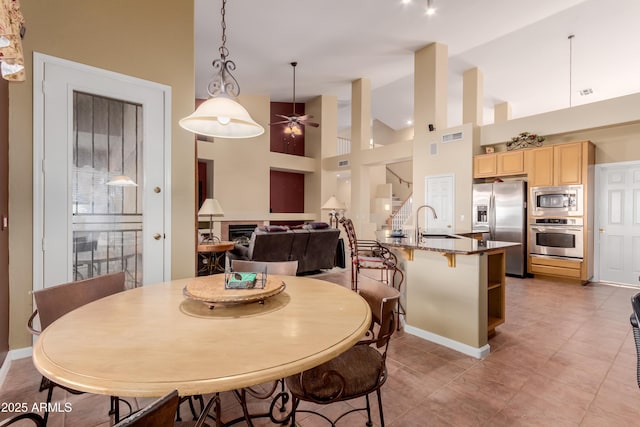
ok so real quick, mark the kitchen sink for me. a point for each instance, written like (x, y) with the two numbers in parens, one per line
(439, 236)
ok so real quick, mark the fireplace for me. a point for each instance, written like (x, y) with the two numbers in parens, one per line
(241, 233)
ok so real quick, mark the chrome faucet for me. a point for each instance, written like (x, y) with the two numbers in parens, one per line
(433, 211)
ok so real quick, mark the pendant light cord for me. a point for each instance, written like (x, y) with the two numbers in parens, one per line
(570, 66)
(224, 52)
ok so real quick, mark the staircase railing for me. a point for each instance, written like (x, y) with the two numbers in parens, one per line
(344, 146)
(400, 217)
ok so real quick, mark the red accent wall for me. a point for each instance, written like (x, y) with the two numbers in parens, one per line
(202, 183)
(280, 142)
(286, 192)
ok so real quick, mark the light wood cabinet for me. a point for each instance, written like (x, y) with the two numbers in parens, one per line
(496, 269)
(570, 269)
(540, 166)
(568, 163)
(498, 164)
(560, 164)
(485, 166)
(510, 163)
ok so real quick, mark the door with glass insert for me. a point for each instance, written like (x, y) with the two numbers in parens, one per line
(100, 203)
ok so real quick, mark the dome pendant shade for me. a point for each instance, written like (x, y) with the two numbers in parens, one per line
(221, 117)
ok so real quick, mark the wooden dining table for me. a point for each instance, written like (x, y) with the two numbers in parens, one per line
(150, 340)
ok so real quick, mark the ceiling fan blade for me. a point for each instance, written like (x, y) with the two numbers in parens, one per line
(284, 117)
(279, 123)
(305, 117)
(312, 124)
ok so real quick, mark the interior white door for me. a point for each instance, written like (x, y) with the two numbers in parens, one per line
(91, 125)
(440, 195)
(618, 236)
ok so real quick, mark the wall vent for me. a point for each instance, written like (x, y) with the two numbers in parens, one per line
(342, 163)
(452, 137)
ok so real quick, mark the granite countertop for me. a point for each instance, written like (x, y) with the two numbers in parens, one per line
(455, 244)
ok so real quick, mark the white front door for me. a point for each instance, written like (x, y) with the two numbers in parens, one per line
(440, 195)
(91, 125)
(617, 233)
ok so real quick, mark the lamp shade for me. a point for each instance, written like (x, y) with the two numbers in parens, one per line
(333, 204)
(221, 117)
(211, 207)
(121, 181)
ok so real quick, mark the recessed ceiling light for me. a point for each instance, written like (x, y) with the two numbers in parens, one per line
(430, 9)
(409, 122)
(406, 1)
(585, 92)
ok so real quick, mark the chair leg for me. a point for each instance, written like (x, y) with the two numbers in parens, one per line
(49, 396)
(369, 422)
(380, 407)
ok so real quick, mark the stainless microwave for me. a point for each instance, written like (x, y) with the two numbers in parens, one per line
(566, 200)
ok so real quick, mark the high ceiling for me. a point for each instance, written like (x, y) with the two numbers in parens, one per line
(521, 47)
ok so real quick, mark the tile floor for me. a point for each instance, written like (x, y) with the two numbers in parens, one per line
(564, 357)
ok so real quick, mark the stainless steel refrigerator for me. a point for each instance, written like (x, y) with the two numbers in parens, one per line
(500, 213)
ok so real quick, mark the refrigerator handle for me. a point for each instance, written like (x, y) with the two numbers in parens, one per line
(492, 217)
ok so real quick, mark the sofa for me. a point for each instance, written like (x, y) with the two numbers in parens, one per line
(313, 248)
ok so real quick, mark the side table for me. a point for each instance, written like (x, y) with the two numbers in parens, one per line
(212, 257)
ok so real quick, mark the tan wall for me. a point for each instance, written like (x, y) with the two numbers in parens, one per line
(241, 167)
(117, 35)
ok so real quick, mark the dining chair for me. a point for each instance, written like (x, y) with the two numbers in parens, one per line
(635, 325)
(370, 254)
(55, 301)
(160, 413)
(36, 419)
(359, 371)
(285, 268)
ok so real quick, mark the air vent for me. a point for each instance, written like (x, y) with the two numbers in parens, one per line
(585, 92)
(451, 137)
(342, 163)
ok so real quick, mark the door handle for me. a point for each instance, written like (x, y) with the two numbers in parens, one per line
(601, 230)
(157, 236)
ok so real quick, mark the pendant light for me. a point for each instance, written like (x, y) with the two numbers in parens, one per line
(221, 116)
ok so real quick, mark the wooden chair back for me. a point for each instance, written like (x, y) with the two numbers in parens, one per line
(383, 301)
(56, 301)
(160, 413)
(285, 268)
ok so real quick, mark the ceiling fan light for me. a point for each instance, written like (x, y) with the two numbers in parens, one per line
(221, 117)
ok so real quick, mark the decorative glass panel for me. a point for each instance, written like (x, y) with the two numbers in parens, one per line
(107, 220)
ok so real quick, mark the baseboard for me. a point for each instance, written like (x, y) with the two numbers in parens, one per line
(19, 353)
(478, 353)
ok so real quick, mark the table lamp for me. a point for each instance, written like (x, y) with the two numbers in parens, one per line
(334, 205)
(212, 208)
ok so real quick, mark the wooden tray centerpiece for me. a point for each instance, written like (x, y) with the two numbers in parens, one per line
(233, 288)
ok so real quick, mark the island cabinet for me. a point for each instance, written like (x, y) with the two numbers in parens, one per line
(562, 164)
(454, 290)
(499, 164)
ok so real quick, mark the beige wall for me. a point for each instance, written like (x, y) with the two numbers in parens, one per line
(128, 37)
(241, 167)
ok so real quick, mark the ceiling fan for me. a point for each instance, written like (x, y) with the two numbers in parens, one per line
(294, 122)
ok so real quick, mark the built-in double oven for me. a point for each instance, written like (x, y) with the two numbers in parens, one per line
(557, 237)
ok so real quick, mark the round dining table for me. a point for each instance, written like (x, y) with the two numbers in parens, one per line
(147, 341)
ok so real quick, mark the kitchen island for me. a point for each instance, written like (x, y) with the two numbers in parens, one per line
(454, 288)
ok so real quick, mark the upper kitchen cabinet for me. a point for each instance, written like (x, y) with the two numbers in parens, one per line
(562, 164)
(498, 164)
(485, 166)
